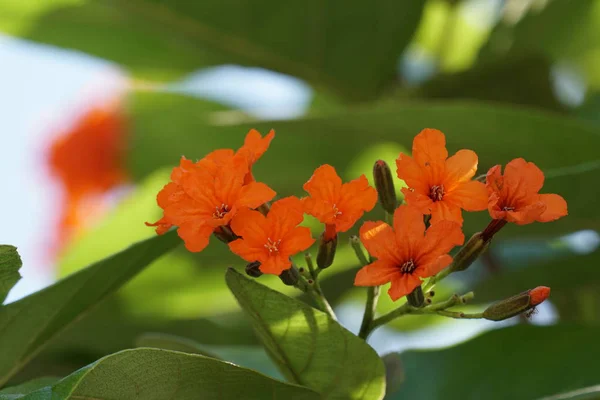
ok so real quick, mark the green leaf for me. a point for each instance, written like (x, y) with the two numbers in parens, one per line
(28, 324)
(563, 147)
(28, 387)
(309, 347)
(10, 263)
(530, 361)
(252, 357)
(351, 47)
(154, 374)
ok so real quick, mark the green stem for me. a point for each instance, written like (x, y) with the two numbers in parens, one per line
(355, 243)
(314, 289)
(459, 315)
(311, 266)
(370, 308)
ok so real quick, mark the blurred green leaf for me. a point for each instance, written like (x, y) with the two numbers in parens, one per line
(308, 346)
(28, 387)
(524, 361)
(154, 374)
(10, 263)
(28, 324)
(252, 357)
(349, 46)
(565, 148)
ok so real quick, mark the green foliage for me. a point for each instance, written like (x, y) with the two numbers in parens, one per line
(10, 263)
(154, 374)
(525, 360)
(309, 347)
(26, 325)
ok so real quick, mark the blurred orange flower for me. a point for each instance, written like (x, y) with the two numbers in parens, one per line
(514, 197)
(439, 185)
(88, 160)
(205, 195)
(406, 253)
(337, 205)
(271, 239)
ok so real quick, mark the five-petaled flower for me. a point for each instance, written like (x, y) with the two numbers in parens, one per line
(337, 205)
(206, 195)
(514, 196)
(406, 253)
(439, 185)
(273, 238)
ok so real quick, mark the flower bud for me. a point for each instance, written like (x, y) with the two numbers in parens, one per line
(253, 269)
(517, 304)
(326, 252)
(290, 276)
(225, 234)
(469, 253)
(416, 297)
(384, 184)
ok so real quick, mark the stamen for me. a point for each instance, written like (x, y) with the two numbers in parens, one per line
(336, 211)
(436, 193)
(408, 267)
(272, 246)
(221, 211)
(508, 209)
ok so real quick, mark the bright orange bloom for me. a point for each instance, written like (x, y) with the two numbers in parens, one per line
(337, 205)
(406, 253)
(206, 195)
(439, 185)
(271, 240)
(514, 197)
(89, 161)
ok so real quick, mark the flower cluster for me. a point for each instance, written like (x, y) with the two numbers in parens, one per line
(219, 195)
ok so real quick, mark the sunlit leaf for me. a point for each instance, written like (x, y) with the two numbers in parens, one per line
(10, 263)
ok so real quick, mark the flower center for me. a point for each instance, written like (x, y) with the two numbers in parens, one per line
(336, 211)
(508, 208)
(436, 193)
(408, 267)
(221, 211)
(272, 246)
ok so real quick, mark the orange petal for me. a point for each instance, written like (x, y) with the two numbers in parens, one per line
(444, 210)
(429, 151)
(275, 265)
(325, 184)
(526, 215)
(522, 180)
(356, 197)
(297, 240)
(321, 210)
(556, 207)
(494, 206)
(461, 167)
(195, 236)
(255, 194)
(220, 156)
(251, 225)
(285, 214)
(415, 199)
(256, 144)
(494, 180)
(470, 196)
(410, 172)
(403, 284)
(247, 250)
(440, 238)
(409, 229)
(377, 273)
(433, 267)
(380, 241)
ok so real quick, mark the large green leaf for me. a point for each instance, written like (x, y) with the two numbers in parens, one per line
(349, 46)
(154, 374)
(565, 148)
(528, 362)
(309, 347)
(28, 324)
(10, 263)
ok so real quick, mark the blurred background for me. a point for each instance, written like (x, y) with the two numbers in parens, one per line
(99, 99)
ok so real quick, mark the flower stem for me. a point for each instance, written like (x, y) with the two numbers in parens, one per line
(370, 307)
(355, 243)
(313, 288)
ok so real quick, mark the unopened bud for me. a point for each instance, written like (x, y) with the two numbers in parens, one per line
(253, 269)
(225, 234)
(517, 304)
(416, 297)
(469, 253)
(326, 253)
(290, 276)
(264, 208)
(384, 183)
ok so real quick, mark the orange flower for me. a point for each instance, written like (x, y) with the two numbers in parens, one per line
(88, 160)
(406, 253)
(337, 205)
(439, 185)
(205, 196)
(271, 240)
(514, 197)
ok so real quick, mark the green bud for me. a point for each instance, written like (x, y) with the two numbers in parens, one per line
(469, 253)
(517, 304)
(384, 183)
(326, 253)
(416, 297)
(225, 234)
(253, 269)
(290, 276)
